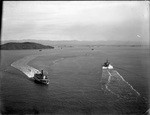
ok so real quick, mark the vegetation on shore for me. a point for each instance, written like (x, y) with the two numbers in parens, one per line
(24, 45)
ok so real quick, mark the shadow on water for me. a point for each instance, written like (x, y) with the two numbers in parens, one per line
(38, 83)
(10, 110)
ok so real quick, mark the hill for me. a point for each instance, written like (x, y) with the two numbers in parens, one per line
(78, 43)
(24, 45)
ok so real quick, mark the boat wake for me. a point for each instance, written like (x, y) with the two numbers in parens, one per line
(113, 82)
(128, 83)
(23, 67)
(55, 61)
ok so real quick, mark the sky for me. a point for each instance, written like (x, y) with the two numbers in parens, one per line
(76, 20)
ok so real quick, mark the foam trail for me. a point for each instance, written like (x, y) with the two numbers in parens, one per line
(22, 66)
(127, 83)
(55, 61)
(109, 78)
(115, 84)
(106, 78)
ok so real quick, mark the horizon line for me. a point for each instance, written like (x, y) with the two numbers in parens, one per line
(74, 40)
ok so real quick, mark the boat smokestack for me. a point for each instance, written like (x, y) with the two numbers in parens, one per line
(42, 72)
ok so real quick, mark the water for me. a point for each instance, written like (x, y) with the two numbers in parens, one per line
(77, 83)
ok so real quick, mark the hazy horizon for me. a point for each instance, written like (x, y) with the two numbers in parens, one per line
(76, 20)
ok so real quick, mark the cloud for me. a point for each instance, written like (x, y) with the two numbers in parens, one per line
(75, 20)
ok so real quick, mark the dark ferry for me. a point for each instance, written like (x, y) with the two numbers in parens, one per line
(41, 78)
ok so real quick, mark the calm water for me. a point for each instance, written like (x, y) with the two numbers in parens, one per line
(75, 82)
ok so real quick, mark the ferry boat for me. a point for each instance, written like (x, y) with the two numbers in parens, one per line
(107, 65)
(41, 78)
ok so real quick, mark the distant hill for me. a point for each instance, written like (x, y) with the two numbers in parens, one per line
(24, 45)
(77, 43)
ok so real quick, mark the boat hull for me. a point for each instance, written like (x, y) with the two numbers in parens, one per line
(42, 81)
(109, 67)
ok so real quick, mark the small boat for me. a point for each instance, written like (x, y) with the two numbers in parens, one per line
(107, 65)
(41, 78)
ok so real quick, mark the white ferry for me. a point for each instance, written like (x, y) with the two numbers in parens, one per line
(107, 65)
